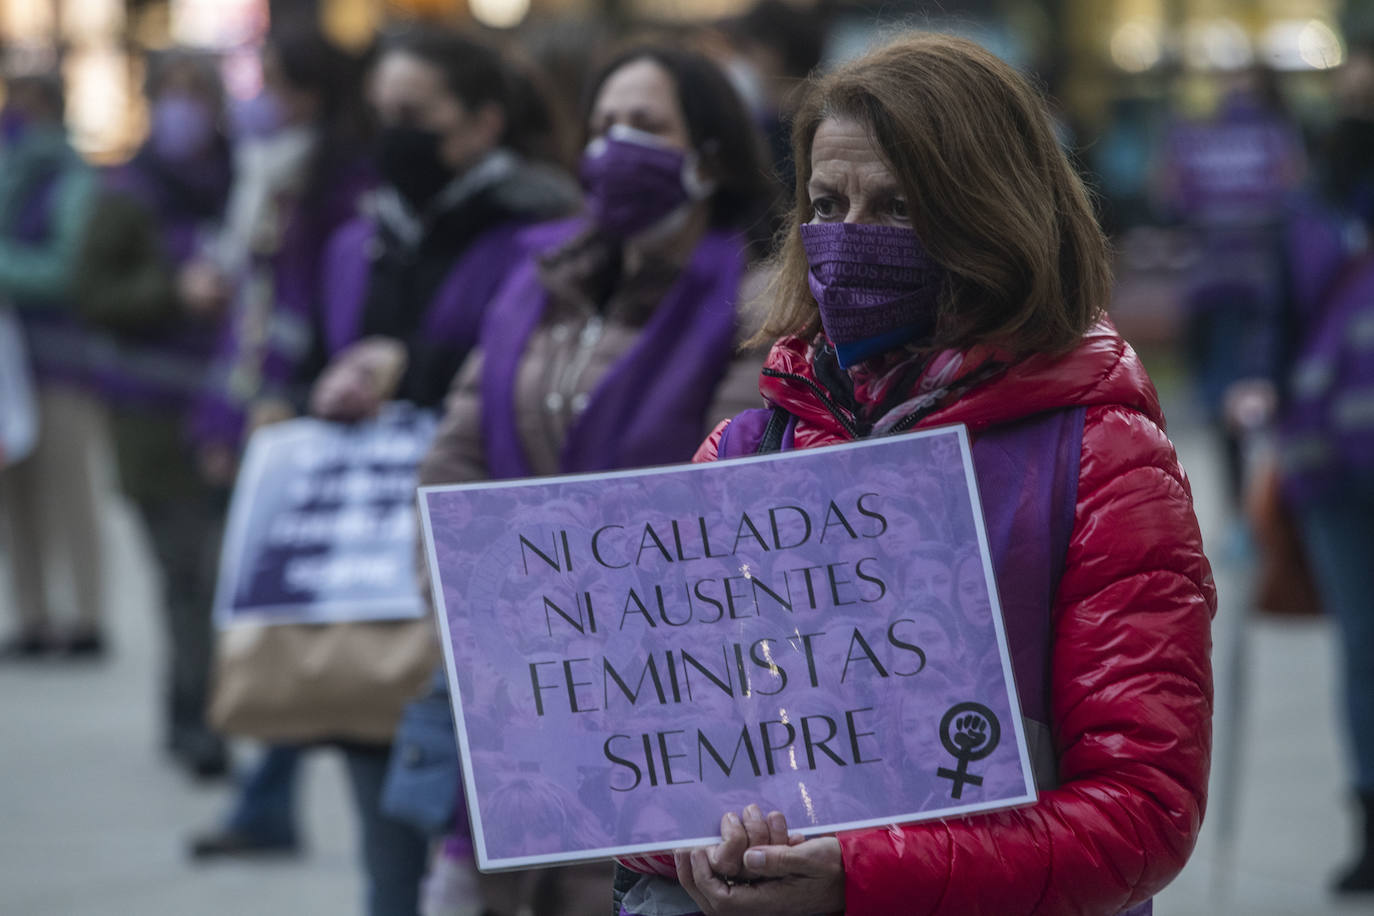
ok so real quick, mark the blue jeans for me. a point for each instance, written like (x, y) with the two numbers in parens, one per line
(266, 803)
(394, 855)
(1339, 536)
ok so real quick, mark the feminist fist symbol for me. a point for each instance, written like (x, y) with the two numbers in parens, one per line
(969, 731)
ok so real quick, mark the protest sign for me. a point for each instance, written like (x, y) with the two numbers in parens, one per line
(18, 411)
(322, 522)
(633, 654)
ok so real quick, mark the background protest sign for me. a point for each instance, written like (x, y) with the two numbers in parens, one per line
(322, 522)
(633, 654)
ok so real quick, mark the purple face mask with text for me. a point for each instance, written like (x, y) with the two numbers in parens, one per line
(633, 182)
(876, 286)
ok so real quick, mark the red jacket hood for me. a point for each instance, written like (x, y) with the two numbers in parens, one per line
(1102, 370)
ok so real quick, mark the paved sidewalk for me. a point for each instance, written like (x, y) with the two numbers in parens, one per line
(93, 820)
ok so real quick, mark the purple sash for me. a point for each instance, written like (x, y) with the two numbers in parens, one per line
(456, 312)
(650, 407)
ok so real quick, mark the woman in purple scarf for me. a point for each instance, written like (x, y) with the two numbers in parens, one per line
(616, 344)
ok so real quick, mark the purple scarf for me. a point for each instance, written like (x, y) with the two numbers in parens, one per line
(454, 316)
(650, 408)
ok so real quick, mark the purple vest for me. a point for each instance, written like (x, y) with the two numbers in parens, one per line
(1315, 254)
(1027, 474)
(459, 306)
(650, 408)
(1326, 436)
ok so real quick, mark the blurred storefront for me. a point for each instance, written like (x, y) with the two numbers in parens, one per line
(1105, 59)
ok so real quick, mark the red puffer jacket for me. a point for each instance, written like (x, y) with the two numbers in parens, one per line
(1131, 689)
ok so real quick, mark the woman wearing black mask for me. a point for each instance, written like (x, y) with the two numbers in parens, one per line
(405, 287)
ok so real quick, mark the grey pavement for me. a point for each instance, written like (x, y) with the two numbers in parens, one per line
(93, 820)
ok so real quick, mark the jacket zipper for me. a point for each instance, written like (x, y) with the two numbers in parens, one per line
(824, 397)
(901, 425)
(972, 381)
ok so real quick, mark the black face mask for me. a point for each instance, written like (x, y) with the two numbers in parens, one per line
(408, 160)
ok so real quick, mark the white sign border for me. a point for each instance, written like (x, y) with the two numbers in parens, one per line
(487, 864)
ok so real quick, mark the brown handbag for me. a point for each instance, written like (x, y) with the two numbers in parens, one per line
(1284, 585)
(300, 683)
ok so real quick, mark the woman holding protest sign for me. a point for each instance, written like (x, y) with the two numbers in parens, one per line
(944, 266)
(615, 344)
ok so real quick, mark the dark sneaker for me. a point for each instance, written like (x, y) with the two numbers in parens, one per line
(202, 754)
(26, 646)
(1359, 879)
(86, 646)
(228, 844)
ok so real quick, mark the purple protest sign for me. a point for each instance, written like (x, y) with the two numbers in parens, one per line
(321, 526)
(633, 654)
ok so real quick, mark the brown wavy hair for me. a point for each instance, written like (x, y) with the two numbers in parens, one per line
(991, 193)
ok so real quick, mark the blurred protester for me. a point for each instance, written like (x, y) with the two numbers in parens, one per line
(403, 294)
(779, 44)
(299, 175)
(50, 500)
(929, 277)
(1326, 416)
(156, 214)
(615, 344)
(1229, 179)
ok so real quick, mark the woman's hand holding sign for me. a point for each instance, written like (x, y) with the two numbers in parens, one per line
(759, 868)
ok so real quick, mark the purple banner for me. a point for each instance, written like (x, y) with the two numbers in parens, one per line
(322, 522)
(633, 654)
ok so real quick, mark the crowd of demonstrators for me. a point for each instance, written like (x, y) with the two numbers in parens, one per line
(1228, 179)
(1317, 392)
(403, 291)
(411, 226)
(1277, 319)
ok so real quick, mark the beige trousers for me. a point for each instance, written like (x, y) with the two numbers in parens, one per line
(50, 512)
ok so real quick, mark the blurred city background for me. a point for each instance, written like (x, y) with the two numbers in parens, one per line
(94, 818)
